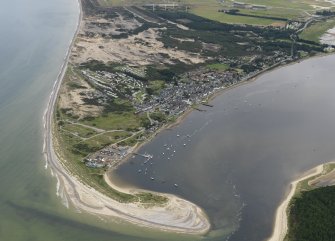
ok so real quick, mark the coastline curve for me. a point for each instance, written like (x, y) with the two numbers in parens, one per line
(281, 218)
(178, 215)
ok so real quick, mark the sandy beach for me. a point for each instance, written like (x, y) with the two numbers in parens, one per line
(322, 177)
(281, 221)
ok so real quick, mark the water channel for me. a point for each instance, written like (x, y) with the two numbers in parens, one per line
(236, 160)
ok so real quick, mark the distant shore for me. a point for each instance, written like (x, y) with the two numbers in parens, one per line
(281, 219)
(315, 174)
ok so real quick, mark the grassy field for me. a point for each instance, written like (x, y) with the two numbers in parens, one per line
(209, 9)
(78, 141)
(218, 66)
(94, 177)
(81, 131)
(82, 138)
(315, 31)
(155, 86)
(211, 12)
(273, 12)
(290, 9)
(115, 121)
(288, 4)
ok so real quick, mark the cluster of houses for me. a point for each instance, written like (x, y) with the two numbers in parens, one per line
(108, 157)
(194, 87)
(172, 100)
(294, 25)
(190, 89)
(116, 85)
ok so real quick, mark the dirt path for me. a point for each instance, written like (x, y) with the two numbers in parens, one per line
(102, 133)
(87, 126)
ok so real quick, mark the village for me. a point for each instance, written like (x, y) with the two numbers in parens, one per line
(135, 70)
(190, 90)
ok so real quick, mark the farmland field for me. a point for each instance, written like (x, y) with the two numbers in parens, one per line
(210, 9)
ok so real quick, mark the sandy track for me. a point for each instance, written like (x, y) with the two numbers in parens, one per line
(178, 215)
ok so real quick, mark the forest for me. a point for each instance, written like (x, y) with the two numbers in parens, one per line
(312, 216)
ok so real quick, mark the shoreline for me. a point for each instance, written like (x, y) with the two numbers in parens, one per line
(178, 215)
(70, 188)
(281, 219)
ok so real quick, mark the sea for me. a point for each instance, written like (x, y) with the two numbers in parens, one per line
(235, 160)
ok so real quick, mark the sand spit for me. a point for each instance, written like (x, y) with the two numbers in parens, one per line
(178, 215)
(281, 222)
